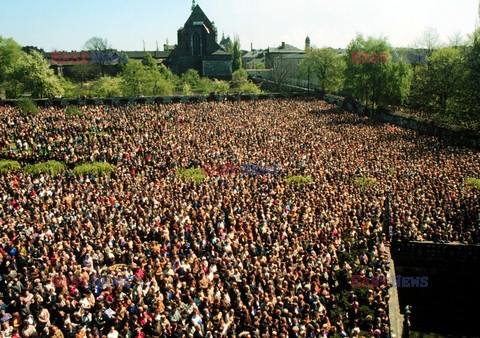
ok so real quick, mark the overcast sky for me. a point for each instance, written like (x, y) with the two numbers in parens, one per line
(66, 24)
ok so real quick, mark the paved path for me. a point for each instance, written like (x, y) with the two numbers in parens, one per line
(396, 318)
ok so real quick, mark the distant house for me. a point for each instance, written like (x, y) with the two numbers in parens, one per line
(197, 48)
(285, 51)
(251, 59)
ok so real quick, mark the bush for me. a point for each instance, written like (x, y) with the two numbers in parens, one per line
(365, 182)
(298, 179)
(107, 86)
(205, 86)
(50, 168)
(194, 174)
(190, 77)
(239, 77)
(472, 182)
(260, 65)
(187, 89)
(74, 111)
(94, 168)
(221, 87)
(27, 106)
(8, 165)
(249, 88)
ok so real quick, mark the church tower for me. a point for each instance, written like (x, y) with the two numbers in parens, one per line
(307, 43)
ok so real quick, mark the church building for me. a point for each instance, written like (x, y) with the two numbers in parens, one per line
(197, 48)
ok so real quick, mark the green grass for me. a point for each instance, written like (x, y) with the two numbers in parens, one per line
(365, 182)
(472, 182)
(8, 165)
(194, 174)
(298, 179)
(94, 168)
(50, 168)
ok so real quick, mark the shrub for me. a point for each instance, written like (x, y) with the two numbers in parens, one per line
(298, 179)
(205, 86)
(50, 168)
(27, 106)
(260, 65)
(74, 111)
(221, 87)
(239, 77)
(472, 182)
(249, 88)
(194, 174)
(94, 168)
(8, 165)
(191, 77)
(187, 89)
(365, 182)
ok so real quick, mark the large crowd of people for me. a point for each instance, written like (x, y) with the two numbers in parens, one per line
(146, 253)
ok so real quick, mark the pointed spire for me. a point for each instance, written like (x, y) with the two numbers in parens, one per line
(193, 4)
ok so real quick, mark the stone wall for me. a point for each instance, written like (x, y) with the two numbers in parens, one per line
(450, 134)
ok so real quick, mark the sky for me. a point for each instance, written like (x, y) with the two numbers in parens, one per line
(67, 25)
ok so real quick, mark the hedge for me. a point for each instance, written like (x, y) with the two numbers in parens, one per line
(298, 179)
(50, 168)
(94, 168)
(194, 174)
(472, 182)
(365, 182)
(8, 165)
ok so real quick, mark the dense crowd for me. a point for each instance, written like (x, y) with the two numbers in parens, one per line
(145, 253)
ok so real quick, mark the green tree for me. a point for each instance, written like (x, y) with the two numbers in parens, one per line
(438, 86)
(239, 77)
(149, 61)
(107, 86)
(35, 76)
(325, 66)
(375, 81)
(139, 79)
(191, 77)
(471, 88)
(236, 52)
(157, 84)
(10, 53)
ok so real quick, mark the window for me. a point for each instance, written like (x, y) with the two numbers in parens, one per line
(196, 45)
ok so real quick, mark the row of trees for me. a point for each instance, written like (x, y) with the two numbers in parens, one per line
(27, 71)
(447, 86)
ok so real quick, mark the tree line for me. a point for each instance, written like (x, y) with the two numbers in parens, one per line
(446, 87)
(26, 71)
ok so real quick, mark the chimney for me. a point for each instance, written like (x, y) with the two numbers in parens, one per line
(283, 45)
(251, 46)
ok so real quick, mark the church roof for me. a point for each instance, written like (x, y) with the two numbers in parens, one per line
(198, 16)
